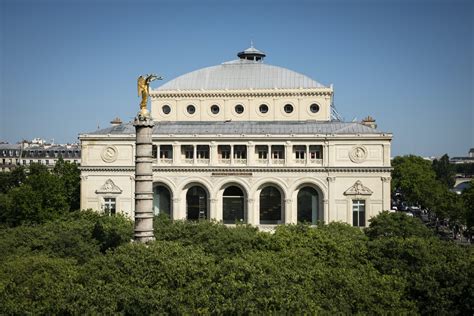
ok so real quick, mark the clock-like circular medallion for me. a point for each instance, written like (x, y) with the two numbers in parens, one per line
(358, 154)
(109, 154)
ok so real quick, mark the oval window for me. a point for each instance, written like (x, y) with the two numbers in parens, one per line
(215, 109)
(288, 108)
(314, 108)
(191, 109)
(263, 108)
(166, 109)
(239, 109)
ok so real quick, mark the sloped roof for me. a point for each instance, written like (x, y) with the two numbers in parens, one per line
(246, 127)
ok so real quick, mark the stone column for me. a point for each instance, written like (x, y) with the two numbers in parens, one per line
(331, 200)
(288, 212)
(213, 160)
(386, 194)
(143, 179)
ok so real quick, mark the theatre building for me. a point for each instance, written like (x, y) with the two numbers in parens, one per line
(244, 141)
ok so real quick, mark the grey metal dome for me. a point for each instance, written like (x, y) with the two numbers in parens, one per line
(241, 74)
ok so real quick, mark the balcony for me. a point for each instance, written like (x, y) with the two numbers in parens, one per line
(224, 161)
(166, 161)
(240, 161)
(278, 161)
(202, 161)
(316, 161)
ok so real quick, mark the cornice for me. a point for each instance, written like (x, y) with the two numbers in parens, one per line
(239, 93)
(243, 170)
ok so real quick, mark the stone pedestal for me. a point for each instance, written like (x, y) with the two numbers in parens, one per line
(143, 179)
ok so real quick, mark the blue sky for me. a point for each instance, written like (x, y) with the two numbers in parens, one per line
(69, 66)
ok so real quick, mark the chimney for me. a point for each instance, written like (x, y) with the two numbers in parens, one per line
(116, 121)
(369, 121)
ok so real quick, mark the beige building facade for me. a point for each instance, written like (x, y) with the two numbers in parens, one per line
(247, 142)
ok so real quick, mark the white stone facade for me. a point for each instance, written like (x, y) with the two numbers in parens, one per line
(292, 160)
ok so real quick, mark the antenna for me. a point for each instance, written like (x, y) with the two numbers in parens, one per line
(335, 116)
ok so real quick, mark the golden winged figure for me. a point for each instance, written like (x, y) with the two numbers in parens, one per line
(143, 84)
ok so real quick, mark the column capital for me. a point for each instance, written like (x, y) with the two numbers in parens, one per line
(386, 179)
(331, 179)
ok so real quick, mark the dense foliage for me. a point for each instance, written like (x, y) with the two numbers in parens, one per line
(425, 184)
(38, 195)
(83, 263)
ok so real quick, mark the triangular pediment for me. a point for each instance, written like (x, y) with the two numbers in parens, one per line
(358, 189)
(109, 187)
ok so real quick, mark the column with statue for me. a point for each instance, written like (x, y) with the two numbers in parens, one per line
(143, 123)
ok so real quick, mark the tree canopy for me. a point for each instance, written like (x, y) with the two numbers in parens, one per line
(83, 263)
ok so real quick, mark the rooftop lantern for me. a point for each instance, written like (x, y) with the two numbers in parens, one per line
(251, 53)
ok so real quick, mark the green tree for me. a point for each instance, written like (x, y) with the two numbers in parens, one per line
(37, 285)
(445, 172)
(12, 179)
(414, 178)
(39, 198)
(70, 176)
(468, 198)
(396, 224)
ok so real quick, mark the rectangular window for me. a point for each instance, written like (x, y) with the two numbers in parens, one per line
(202, 151)
(240, 152)
(358, 213)
(300, 152)
(110, 206)
(262, 151)
(47, 162)
(224, 151)
(315, 152)
(278, 152)
(188, 151)
(154, 151)
(166, 152)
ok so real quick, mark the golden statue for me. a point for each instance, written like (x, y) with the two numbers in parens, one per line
(144, 89)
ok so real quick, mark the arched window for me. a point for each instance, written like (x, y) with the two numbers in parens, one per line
(270, 206)
(308, 202)
(196, 203)
(233, 205)
(161, 200)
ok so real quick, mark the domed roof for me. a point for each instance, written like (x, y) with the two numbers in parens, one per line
(248, 72)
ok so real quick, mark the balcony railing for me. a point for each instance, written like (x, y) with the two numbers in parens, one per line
(188, 161)
(300, 161)
(278, 161)
(166, 161)
(240, 161)
(203, 161)
(224, 161)
(316, 161)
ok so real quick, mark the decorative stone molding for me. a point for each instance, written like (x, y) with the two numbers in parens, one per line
(195, 169)
(109, 187)
(358, 189)
(236, 94)
(331, 179)
(176, 200)
(386, 179)
(358, 154)
(109, 154)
